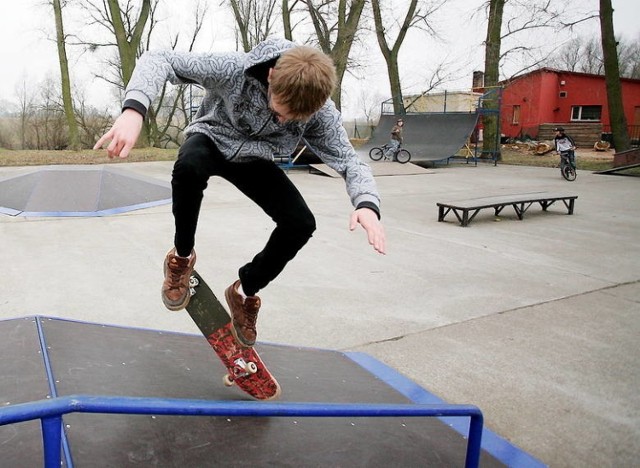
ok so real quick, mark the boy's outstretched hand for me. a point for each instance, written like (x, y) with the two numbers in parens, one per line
(123, 134)
(369, 221)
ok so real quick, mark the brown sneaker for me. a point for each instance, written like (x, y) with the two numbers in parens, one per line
(177, 272)
(244, 314)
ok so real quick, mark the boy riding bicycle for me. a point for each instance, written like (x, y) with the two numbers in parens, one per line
(565, 145)
(396, 140)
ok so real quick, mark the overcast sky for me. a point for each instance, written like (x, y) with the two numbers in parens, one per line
(28, 54)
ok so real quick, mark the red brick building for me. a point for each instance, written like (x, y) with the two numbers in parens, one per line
(570, 99)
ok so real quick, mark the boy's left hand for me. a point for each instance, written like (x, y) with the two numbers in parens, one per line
(369, 221)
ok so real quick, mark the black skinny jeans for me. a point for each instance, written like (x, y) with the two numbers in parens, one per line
(260, 180)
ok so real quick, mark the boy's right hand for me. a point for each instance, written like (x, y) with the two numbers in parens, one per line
(123, 134)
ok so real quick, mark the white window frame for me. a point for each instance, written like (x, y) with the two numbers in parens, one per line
(579, 116)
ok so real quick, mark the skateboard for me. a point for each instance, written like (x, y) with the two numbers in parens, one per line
(244, 366)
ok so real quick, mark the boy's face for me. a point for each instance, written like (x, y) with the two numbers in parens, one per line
(281, 112)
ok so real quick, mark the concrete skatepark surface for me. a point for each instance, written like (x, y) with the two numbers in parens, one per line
(534, 321)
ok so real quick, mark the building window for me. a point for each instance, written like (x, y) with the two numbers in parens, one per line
(515, 117)
(563, 94)
(586, 113)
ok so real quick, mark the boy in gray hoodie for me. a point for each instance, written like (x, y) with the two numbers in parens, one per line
(256, 104)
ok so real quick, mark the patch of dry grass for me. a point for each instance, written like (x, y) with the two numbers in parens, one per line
(587, 160)
(50, 157)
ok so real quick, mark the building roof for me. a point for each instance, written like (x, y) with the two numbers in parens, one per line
(560, 72)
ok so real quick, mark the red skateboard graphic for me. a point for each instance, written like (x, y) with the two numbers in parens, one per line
(244, 366)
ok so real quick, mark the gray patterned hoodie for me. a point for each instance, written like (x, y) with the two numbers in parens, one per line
(235, 113)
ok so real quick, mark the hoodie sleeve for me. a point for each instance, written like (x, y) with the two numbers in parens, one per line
(326, 137)
(155, 68)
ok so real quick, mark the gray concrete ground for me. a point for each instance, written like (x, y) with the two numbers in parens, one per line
(535, 321)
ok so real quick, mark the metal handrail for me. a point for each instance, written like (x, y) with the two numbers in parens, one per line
(50, 413)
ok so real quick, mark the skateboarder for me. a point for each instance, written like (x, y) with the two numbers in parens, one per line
(256, 104)
(396, 138)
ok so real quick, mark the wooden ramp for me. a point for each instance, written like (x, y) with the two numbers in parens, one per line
(623, 162)
(379, 169)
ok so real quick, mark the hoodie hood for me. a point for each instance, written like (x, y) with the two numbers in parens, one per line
(266, 52)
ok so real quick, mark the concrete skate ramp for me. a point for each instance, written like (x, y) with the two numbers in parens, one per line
(79, 191)
(428, 137)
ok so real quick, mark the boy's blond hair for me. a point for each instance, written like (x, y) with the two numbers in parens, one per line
(303, 80)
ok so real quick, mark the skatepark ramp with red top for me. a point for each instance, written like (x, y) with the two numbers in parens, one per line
(428, 137)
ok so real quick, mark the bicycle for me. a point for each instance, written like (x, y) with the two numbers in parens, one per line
(378, 152)
(567, 165)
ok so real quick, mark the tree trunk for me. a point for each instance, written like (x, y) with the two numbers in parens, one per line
(128, 48)
(390, 54)
(74, 139)
(491, 105)
(286, 20)
(617, 118)
(345, 26)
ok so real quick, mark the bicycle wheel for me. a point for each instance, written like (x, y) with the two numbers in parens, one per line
(376, 153)
(568, 172)
(403, 156)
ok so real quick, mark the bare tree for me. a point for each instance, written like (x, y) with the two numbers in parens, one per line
(171, 113)
(585, 55)
(254, 20)
(418, 15)
(335, 23)
(287, 10)
(74, 139)
(612, 77)
(26, 110)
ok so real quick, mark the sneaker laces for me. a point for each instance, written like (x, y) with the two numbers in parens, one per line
(177, 269)
(251, 307)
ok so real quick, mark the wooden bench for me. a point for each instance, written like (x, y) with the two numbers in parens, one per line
(466, 210)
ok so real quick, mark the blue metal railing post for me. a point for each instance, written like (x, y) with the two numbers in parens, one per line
(52, 440)
(474, 443)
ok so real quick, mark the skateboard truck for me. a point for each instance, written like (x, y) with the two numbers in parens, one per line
(241, 368)
(193, 284)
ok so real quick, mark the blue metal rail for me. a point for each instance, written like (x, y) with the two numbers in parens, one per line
(50, 413)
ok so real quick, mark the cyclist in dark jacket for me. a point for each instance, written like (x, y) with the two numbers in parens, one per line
(396, 138)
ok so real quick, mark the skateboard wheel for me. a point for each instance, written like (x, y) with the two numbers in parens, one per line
(193, 282)
(227, 380)
(251, 367)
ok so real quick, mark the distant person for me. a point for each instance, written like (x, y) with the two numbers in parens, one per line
(396, 138)
(565, 144)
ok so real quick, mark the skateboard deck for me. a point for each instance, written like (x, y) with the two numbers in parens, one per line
(244, 366)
